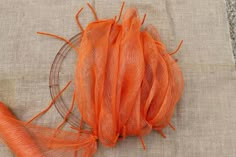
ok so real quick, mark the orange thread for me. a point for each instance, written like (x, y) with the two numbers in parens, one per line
(121, 10)
(144, 17)
(172, 126)
(65, 118)
(161, 133)
(50, 105)
(142, 141)
(180, 44)
(94, 12)
(77, 20)
(60, 38)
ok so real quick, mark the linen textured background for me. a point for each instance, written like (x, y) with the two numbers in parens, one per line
(205, 117)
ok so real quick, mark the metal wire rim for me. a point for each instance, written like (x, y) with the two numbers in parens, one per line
(62, 108)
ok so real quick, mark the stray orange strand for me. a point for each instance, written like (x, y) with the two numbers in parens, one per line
(121, 10)
(180, 44)
(50, 105)
(94, 12)
(144, 17)
(77, 19)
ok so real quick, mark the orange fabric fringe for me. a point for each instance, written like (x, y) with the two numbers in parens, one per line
(126, 84)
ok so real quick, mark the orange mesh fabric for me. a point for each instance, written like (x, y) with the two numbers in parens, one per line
(125, 80)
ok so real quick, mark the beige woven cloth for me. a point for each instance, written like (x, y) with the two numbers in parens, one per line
(205, 117)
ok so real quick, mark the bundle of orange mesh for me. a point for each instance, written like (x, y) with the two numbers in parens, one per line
(126, 84)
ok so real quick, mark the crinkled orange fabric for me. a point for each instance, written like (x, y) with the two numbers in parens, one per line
(125, 80)
(126, 84)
